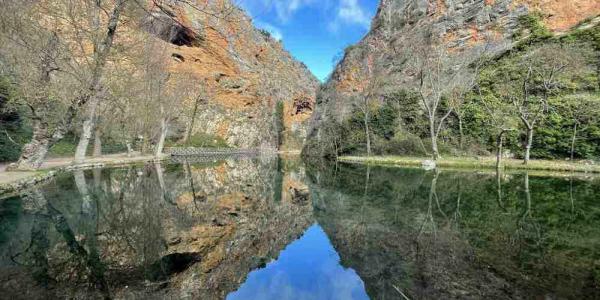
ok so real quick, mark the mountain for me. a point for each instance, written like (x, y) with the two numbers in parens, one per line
(246, 72)
(464, 28)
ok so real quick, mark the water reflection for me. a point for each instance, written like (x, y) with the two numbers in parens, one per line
(158, 231)
(308, 268)
(449, 234)
(272, 228)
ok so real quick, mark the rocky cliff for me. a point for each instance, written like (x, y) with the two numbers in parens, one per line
(464, 28)
(244, 71)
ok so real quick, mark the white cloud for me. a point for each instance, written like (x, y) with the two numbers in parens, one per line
(350, 12)
(340, 12)
(285, 9)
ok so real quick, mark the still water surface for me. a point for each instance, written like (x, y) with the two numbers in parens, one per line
(275, 228)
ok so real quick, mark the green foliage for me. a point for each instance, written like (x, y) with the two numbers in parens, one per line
(14, 133)
(409, 110)
(501, 80)
(265, 33)
(63, 148)
(398, 125)
(200, 140)
(532, 30)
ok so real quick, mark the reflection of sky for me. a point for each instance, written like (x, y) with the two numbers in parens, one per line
(308, 268)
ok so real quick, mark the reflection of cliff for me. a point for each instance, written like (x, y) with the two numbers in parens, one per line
(169, 231)
(395, 248)
(445, 236)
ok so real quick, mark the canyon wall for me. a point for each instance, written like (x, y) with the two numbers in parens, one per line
(244, 73)
(465, 29)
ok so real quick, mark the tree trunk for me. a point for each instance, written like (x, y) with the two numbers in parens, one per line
(366, 119)
(192, 121)
(434, 145)
(34, 152)
(97, 142)
(573, 140)
(129, 149)
(528, 145)
(161, 140)
(461, 132)
(86, 131)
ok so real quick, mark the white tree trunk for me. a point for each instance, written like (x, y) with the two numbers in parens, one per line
(366, 119)
(97, 143)
(161, 140)
(573, 140)
(432, 133)
(34, 152)
(528, 145)
(87, 129)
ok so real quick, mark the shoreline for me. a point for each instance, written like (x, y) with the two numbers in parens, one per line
(477, 163)
(15, 181)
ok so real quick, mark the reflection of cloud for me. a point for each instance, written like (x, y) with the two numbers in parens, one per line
(274, 31)
(308, 268)
(350, 12)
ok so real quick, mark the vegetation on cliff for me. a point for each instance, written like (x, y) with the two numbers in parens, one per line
(538, 98)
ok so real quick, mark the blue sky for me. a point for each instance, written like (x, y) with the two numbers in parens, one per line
(314, 31)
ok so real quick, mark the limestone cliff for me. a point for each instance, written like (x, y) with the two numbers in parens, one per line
(245, 73)
(464, 28)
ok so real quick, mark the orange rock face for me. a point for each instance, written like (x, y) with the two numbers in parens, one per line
(561, 15)
(245, 73)
(241, 72)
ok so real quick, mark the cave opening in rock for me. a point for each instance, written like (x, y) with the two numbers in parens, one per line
(171, 31)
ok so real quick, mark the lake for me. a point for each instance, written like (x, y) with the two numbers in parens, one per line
(276, 228)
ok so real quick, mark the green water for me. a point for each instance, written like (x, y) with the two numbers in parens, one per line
(273, 228)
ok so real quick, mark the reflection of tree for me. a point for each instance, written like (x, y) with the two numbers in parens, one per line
(38, 246)
(499, 189)
(428, 219)
(118, 230)
(164, 192)
(527, 227)
(457, 214)
(89, 212)
(87, 261)
(360, 227)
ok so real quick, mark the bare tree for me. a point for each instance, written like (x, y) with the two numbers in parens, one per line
(102, 44)
(202, 94)
(55, 61)
(378, 70)
(439, 75)
(543, 73)
(500, 119)
(584, 111)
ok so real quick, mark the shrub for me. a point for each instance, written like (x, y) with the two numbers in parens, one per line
(200, 140)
